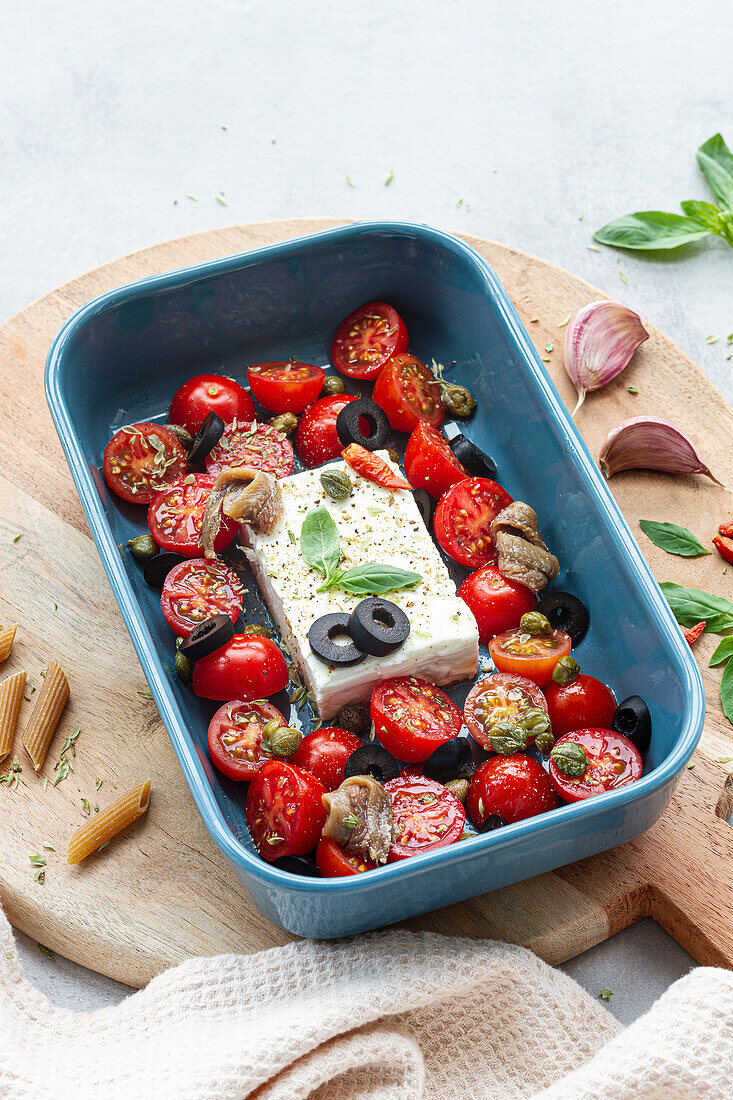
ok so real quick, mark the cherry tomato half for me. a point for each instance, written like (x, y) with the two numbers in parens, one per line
(426, 816)
(583, 703)
(514, 787)
(285, 813)
(333, 862)
(368, 337)
(534, 658)
(497, 603)
(412, 717)
(324, 753)
(316, 439)
(408, 393)
(197, 589)
(195, 399)
(430, 463)
(462, 522)
(248, 667)
(235, 738)
(372, 467)
(251, 444)
(141, 459)
(286, 385)
(499, 697)
(175, 516)
(612, 762)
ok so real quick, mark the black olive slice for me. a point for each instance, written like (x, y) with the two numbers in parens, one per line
(426, 506)
(157, 569)
(297, 865)
(633, 720)
(206, 438)
(209, 635)
(323, 636)
(493, 821)
(449, 760)
(565, 612)
(378, 626)
(372, 760)
(471, 457)
(349, 430)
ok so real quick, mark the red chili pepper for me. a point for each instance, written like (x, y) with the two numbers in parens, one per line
(372, 467)
(724, 546)
(694, 632)
(726, 529)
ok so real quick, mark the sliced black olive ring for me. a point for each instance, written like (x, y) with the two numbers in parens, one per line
(565, 612)
(206, 438)
(322, 640)
(297, 865)
(426, 506)
(471, 457)
(633, 720)
(449, 761)
(208, 636)
(378, 626)
(157, 569)
(372, 760)
(349, 430)
(493, 821)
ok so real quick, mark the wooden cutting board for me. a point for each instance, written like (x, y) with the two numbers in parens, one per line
(164, 892)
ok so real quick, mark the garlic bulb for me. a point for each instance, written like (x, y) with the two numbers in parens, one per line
(650, 443)
(599, 342)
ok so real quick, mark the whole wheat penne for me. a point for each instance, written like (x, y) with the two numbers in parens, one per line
(45, 715)
(7, 637)
(11, 693)
(98, 830)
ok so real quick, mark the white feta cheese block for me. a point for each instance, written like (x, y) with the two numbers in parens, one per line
(375, 526)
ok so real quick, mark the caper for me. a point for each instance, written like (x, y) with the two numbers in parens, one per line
(565, 671)
(354, 717)
(457, 399)
(184, 668)
(143, 548)
(257, 628)
(507, 737)
(283, 741)
(333, 385)
(458, 787)
(535, 624)
(285, 423)
(336, 484)
(534, 721)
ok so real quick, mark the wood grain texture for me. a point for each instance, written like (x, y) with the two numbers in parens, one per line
(164, 892)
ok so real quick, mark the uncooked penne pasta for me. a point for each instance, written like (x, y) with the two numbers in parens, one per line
(45, 715)
(11, 693)
(7, 637)
(100, 829)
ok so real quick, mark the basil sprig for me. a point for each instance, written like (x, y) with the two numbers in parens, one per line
(723, 653)
(726, 691)
(673, 539)
(692, 605)
(321, 549)
(654, 230)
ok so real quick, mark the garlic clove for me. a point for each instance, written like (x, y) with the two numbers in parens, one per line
(599, 342)
(650, 443)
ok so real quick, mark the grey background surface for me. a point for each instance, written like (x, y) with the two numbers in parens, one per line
(546, 120)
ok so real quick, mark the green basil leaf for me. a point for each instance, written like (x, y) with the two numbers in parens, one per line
(692, 605)
(716, 162)
(722, 653)
(374, 580)
(569, 758)
(319, 541)
(673, 539)
(707, 213)
(726, 691)
(650, 230)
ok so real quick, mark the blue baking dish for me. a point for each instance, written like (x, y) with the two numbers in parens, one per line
(121, 357)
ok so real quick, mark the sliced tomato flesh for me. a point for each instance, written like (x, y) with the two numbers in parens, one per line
(463, 518)
(235, 737)
(175, 516)
(259, 446)
(367, 338)
(141, 459)
(500, 697)
(408, 392)
(612, 762)
(412, 717)
(526, 655)
(426, 816)
(197, 589)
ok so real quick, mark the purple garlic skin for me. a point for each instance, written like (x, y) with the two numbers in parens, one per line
(650, 443)
(599, 342)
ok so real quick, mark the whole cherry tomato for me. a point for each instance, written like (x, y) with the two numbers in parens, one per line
(316, 439)
(408, 393)
(514, 787)
(248, 667)
(430, 463)
(324, 753)
(286, 385)
(583, 703)
(368, 337)
(497, 603)
(206, 393)
(285, 812)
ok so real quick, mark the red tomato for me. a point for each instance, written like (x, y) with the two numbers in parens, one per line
(141, 459)
(235, 738)
(248, 667)
(612, 762)
(408, 393)
(286, 385)
(316, 439)
(430, 463)
(175, 516)
(462, 522)
(497, 603)
(534, 658)
(324, 753)
(285, 812)
(334, 862)
(412, 717)
(368, 337)
(514, 787)
(372, 467)
(251, 444)
(497, 697)
(426, 816)
(197, 589)
(194, 400)
(582, 703)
